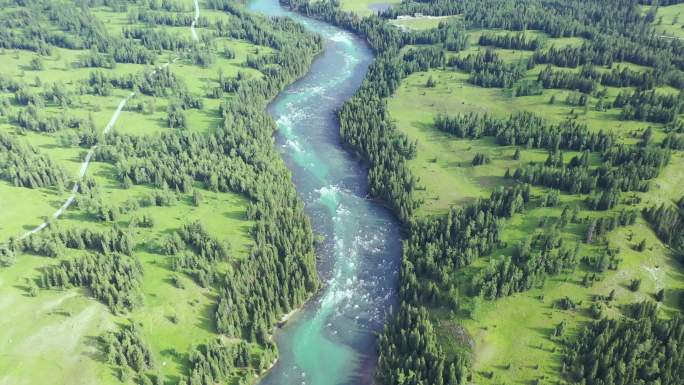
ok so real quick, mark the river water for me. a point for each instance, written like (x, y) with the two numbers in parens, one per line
(332, 340)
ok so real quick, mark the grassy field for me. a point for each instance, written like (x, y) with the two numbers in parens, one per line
(669, 20)
(53, 337)
(511, 338)
(366, 7)
(420, 23)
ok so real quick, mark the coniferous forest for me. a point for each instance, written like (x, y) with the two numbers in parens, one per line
(146, 231)
(531, 150)
(583, 189)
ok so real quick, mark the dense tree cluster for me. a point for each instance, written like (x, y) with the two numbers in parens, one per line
(113, 278)
(638, 348)
(40, 25)
(624, 168)
(668, 222)
(437, 247)
(237, 156)
(159, 83)
(533, 260)
(480, 159)
(196, 252)
(488, 70)
(450, 33)
(599, 227)
(162, 17)
(410, 354)
(649, 106)
(612, 32)
(550, 78)
(127, 348)
(216, 361)
(56, 239)
(93, 58)
(159, 39)
(24, 166)
(525, 128)
(33, 119)
(510, 41)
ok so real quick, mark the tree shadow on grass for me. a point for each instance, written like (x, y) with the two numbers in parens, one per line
(237, 215)
(205, 319)
(542, 332)
(82, 217)
(95, 349)
(108, 172)
(491, 181)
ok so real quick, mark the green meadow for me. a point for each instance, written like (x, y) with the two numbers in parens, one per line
(511, 338)
(54, 337)
(365, 7)
(669, 20)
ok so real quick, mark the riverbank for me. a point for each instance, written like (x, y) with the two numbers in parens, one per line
(332, 339)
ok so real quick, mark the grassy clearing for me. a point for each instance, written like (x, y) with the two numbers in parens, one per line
(669, 20)
(52, 338)
(420, 23)
(439, 159)
(366, 7)
(510, 338)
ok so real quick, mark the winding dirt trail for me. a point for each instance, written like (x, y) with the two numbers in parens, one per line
(192, 26)
(105, 131)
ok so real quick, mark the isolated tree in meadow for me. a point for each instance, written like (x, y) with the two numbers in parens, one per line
(590, 231)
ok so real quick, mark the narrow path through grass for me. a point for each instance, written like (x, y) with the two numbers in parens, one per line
(108, 127)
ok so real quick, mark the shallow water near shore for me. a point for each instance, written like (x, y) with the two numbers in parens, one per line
(332, 340)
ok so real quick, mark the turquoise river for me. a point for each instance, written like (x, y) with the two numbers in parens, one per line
(332, 340)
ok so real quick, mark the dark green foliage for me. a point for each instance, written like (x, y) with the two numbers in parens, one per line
(550, 78)
(201, 256)
(36, 64)
(410, 354)
(93, 58)
(527, 88)
(438, 246)
(624, 168)
(649, 106)
(510, 41)
(197, 197)
(566, 303)
(32, 118)
(533, 260)
(668, 223)
(550, 199)
(114, 279)
(175, 117)
(641, 246)
(126, 348)
(480, 159)
(38, 25)
(238, 156)
(159, 39)
(488, 70)
(637, 349)
(23, 166)
(608, 259)
(603, 200)
(431, 83)
(524, 128)
(53, 241)
(216, 361)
